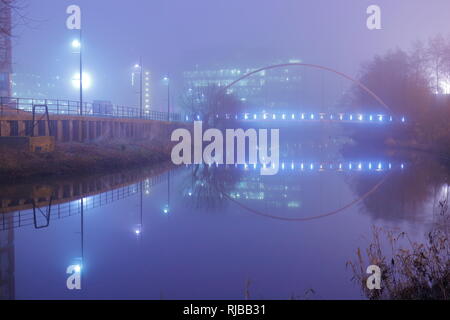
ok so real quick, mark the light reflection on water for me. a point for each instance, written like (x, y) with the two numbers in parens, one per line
(188, 233)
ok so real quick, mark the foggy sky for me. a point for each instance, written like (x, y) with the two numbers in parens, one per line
(175, 35)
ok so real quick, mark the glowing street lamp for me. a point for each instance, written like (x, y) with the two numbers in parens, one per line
(76, 82)
(139, 69)
(166, 80)
(76, 44)
(81, 81)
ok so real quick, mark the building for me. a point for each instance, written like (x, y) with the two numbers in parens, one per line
(5, 48)
(272, 88)
(146, 93)
(29, 85)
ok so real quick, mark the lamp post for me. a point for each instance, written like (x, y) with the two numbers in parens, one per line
(166, 208)
(77, 44)
(73, 22)
(167, 81)
(140, 69)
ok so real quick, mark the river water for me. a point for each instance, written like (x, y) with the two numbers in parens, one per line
(200, 232)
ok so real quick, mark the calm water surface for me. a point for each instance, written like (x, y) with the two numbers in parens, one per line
(211, 233)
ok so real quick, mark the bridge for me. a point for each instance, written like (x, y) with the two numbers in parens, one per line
(21, 117)
(310, 117)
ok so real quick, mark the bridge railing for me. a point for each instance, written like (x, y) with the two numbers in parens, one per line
(68, 107)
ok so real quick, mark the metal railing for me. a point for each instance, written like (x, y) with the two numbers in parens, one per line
(72, 108)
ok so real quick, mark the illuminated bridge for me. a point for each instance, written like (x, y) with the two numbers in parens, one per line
(310, 117)
(65, 120)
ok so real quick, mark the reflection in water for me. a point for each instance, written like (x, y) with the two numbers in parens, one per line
(204, 185)
(215, 185)
(406, 194)
(7, 263)
(39, 204)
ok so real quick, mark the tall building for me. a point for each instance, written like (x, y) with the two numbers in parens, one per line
(272, 88)
(146, 93)
(5, 48)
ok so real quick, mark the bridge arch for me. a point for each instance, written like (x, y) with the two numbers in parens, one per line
(314, 66)
(325, 214)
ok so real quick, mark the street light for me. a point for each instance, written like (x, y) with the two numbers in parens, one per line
(139, 68)
(76, 44)
(87, 81)
(167, 81)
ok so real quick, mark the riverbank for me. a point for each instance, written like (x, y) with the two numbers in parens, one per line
(81, 158)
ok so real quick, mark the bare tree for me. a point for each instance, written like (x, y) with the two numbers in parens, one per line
(437, 54)
(8, 10)
(212, 104)
(12, 14)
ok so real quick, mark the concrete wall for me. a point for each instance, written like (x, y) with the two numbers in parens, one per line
(84, 129)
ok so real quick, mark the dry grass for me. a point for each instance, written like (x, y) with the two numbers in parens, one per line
(411, 271)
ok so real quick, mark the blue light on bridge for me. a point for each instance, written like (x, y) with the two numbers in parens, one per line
(368, 118)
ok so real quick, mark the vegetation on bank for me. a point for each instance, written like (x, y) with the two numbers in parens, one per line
(415, 84)
(77, 158)
(410, 271)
